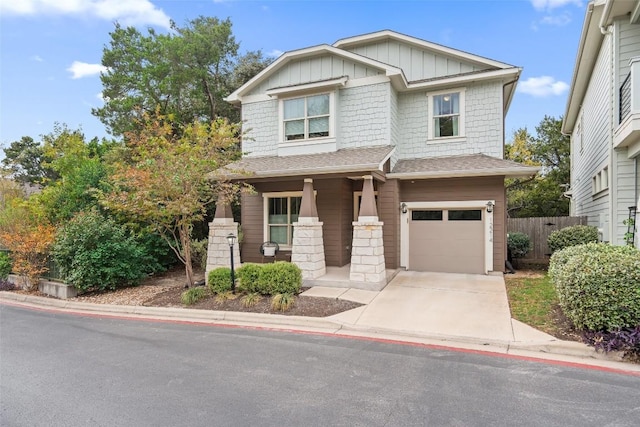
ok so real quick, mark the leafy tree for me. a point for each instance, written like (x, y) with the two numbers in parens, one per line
(541, 195)
(24, 161)
(27, 234)
(163, 177)
(186, 74)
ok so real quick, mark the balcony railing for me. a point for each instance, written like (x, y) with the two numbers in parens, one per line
(625, 99)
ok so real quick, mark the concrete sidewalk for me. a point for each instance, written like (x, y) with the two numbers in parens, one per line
(452, 310)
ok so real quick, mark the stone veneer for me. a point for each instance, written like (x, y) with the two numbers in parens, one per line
(307, 251)
(218, 254)
(367, 254)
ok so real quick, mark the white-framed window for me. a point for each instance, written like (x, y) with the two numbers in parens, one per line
(446, 114)
(307, 117)
(600, 181)
(281, 210)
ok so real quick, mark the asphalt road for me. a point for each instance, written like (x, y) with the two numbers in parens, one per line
(71, 370)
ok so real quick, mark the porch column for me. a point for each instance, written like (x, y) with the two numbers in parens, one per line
(218, 246)
(307, 251)
(367, 253)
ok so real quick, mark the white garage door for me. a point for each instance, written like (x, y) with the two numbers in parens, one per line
(446, 240)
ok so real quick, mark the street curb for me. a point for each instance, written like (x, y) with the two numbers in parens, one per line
(541, 350)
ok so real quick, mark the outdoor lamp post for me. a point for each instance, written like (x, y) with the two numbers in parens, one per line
(232, 241)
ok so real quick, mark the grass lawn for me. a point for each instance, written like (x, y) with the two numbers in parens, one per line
(533, 301)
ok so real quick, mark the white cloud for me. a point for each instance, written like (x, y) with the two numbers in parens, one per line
(37, 58)
(556, 20)
(553, 4)
(82, 69)
(543, 86)
(128, 12)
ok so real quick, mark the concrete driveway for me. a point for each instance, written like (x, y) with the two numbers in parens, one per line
(442, 305)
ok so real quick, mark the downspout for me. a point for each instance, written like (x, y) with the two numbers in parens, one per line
(604, 28)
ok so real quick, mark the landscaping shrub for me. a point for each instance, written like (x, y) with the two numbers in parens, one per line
(219, 280)
(93, 252)
(282, 302)
(250, 299)
(519, 244)
(6, 285)
(248, 276)
(5, 265)
(193, 295)
(626, 340)
(571, 236)
(598, 286)
(279, 278)
(199, 253)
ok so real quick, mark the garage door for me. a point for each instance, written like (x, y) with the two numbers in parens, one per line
(446, 240)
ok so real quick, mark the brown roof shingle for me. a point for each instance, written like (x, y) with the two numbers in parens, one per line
(462, 165)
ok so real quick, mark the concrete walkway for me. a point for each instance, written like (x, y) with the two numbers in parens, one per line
(453, 310)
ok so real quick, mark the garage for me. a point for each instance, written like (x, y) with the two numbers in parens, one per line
(450, 240)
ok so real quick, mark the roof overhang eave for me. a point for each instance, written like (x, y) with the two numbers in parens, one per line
(509, 73)
(508, 173)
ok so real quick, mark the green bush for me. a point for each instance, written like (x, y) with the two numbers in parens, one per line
(5, 265)
(199, 253)
(248, 276)
(598, 285)
(219, 280)
(93, 252)
(519, 244)
(193, 295)
(279, 278)
(571, 236)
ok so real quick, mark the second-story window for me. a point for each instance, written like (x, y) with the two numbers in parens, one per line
(306, 117)
(446, 115)
(446, 118)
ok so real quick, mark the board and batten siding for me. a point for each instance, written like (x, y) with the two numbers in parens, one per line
(315, 69)
(483, 123)
(416, 62)
(595, 131)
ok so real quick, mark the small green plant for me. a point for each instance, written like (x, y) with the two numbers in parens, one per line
(629, 236)
(219, 280)
(193, 295)
(571, 236)
(251, 299)
(282, 302)
(199, 253)
(226, 296)
(5, 265)
(519, 244)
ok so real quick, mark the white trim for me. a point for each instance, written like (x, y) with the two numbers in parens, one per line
(477, 204)
(461, 137)
(332, 120)
(318, 86)
(388, 34)
(507, 172)
(509, 74)
(265, 211)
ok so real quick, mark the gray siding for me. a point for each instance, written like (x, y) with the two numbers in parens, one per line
(364, 116)
(260, 124)
(628, 46)
(483, 124)
(596, 140)
(416, 62)
(315, 69)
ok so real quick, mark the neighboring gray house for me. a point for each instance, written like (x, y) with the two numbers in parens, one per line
(423, 121)
(603, 118)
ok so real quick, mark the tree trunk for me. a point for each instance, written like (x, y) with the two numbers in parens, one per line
(185, 239)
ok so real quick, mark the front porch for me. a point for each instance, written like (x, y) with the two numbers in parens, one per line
(338, 277)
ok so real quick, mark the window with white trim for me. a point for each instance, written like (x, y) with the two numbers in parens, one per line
(281, 210)
(307, 117)
(446, 114)
(600, 181)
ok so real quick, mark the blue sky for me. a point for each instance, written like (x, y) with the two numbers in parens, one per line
(50, 50)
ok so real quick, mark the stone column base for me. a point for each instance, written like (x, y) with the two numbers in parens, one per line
(218, 252)
(307, 251)
(367, 253)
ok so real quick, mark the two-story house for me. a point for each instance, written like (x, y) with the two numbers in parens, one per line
(425, 122)
(603, 119)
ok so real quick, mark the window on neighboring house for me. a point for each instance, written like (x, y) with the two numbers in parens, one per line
(600, 181)
(446, 114)
(280, 214)
(306, 117)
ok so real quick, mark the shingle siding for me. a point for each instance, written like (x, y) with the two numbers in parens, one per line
(261, 128)
(364, 116)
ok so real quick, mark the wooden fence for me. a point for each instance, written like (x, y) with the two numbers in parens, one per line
(538, 230)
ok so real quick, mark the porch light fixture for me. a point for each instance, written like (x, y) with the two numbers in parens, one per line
(231, 238)
(490, 205)
(403, 208)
